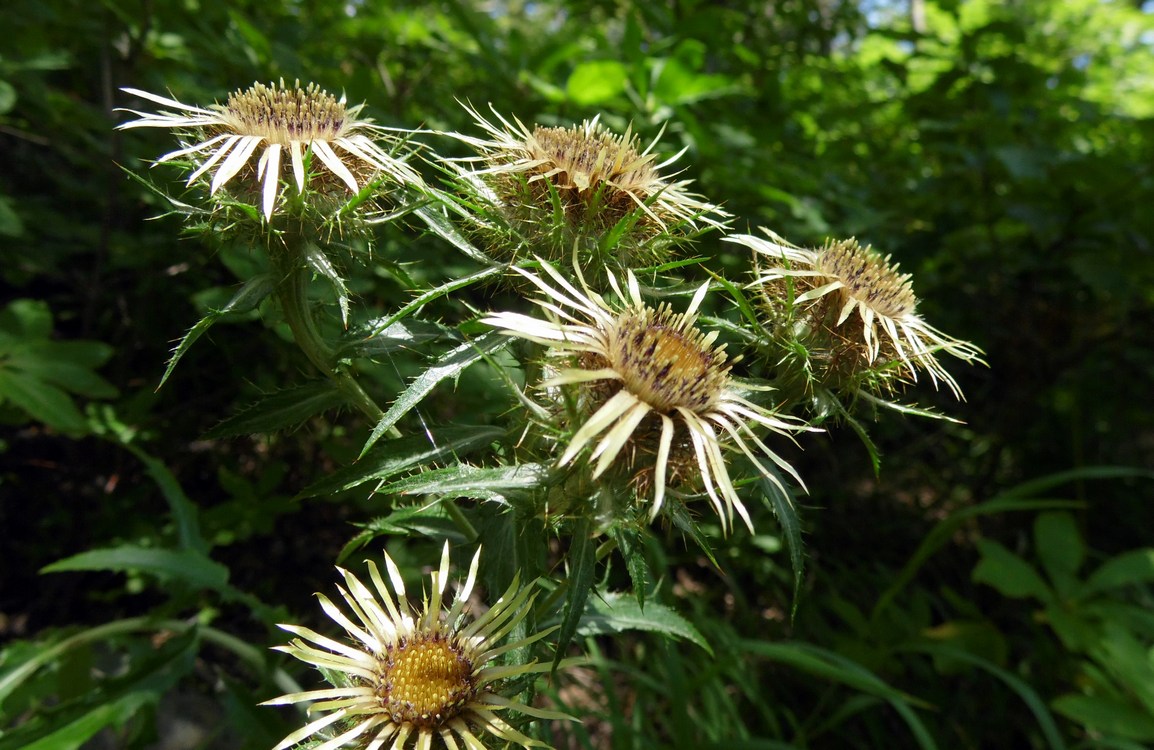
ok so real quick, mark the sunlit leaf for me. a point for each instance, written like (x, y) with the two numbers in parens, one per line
(612, 613)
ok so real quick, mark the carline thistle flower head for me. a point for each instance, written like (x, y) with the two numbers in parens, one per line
(842, 278)
(662, 392)
(413, 674)
(276, 121)
(558, 186)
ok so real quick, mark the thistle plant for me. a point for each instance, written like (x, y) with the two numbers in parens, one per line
(340, 170)
(841, 321)
(637, 407)
(414, 674)
(543, 191)
(656, 388)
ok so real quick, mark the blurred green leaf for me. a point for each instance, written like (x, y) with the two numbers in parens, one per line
(37, 374)
(75, 732)
(1028, 694)
(42, 402)
(596, 82)
(1107, 715)
(1060, 547)
(7, 97)
(187, 566)
(1008, 573)
(184, 512)
(10, 222)
(940, 535)
(1126, 569)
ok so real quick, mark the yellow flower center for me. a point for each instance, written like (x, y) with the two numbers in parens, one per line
(584, 159)
(868, 277)
(425, 681)
(281, 115)
(666, 362)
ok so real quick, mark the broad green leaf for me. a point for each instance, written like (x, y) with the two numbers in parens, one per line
(281, 410)
(448, 366)
(395, 456)
(612, 613)
(42, 401)
(476, 482)
(191, 567)
(1135, 566)
(7, 97)
(67, 364)
(26, 320)
(597, 81)
(77, 731)
(1008, 573)
(1107, 715)
(1128, 658)
(679, 83)
(85, 354)
(254, 291)
(1060, 548)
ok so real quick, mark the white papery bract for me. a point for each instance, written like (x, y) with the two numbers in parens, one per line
(270, 125)
(659, 387)
(414, 674)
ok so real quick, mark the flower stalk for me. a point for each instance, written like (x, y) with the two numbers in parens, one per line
(291, 271)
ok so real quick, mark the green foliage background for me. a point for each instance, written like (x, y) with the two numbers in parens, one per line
(990, 588)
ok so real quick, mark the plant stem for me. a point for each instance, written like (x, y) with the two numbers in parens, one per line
(293, 277)
(459, 519)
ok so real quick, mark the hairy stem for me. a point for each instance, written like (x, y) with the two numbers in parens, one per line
(292, 292)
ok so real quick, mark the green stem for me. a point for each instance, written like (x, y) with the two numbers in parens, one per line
(292, 293)
(459, 519)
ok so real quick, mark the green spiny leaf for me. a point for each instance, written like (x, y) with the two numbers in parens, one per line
(448, 366)
(281, 410)
(254, 291)
(617, 612)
